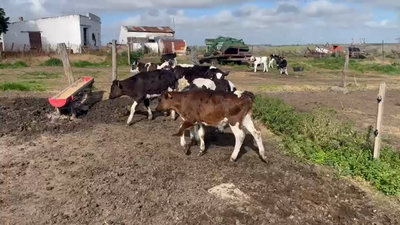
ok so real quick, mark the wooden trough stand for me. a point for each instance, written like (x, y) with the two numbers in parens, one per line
(65, 98)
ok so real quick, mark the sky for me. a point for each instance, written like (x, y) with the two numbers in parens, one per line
(277, 22)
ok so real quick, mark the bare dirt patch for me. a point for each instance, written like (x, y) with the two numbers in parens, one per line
(98, 171)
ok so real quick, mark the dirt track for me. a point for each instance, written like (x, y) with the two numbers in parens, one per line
(98, 171)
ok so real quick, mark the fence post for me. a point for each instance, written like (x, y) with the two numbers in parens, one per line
(344, 72)
(173, 47)
(129, 53)
(379, 118)
(62, 50)
(383, 52)
(114, 60)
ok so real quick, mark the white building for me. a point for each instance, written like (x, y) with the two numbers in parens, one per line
(76, 31)
(143, 34)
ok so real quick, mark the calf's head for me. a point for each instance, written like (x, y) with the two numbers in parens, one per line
(252, 58)
(116, 89)
(165, 102)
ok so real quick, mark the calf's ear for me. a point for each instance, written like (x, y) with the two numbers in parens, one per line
(227, 73)
(169, 96)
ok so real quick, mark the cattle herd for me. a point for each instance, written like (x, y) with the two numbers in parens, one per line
(200, 95)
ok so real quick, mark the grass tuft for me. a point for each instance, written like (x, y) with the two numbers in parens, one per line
(22, 86)
(16, 65)
(53, 62)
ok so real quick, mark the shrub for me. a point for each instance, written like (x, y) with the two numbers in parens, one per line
(323, 138)
(53, 62)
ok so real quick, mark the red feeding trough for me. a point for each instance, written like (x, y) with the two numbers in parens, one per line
(63, 98)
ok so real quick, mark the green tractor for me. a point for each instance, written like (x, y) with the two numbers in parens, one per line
(223, 50)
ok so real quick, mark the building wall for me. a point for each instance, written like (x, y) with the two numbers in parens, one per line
(53, 30)
(94, 27)
(124, 34)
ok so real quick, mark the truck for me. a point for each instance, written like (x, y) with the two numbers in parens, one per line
(223, 50)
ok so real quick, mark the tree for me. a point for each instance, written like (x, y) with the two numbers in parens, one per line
(3, 21)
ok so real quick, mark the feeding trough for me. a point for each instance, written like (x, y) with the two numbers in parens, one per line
(66, 96)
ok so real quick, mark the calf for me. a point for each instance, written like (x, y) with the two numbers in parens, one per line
(142, 87)
(144, 67)
(273, 58)
(259, 60)
(213, 108)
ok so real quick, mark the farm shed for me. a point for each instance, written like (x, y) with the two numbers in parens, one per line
(143, 34)
(165, 46)
(76, 31)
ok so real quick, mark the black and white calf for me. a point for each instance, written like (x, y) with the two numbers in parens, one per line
(273, 58)
(259, 60)
(139, 67)
(142, 87)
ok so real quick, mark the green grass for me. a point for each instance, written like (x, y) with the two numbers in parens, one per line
(53, 62)
(355, 65)
(321, 137)
(85, 64)
(16, 65)
(22, 86)
(39, 75)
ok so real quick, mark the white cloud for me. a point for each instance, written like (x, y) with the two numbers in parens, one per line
(381, 24)
(287, 22)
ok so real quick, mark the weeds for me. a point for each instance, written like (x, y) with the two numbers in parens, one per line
(323, 138)
(356, 65)
(16, 65)
(53, 62)
(38, 75)
(22, 86)
(85, 64)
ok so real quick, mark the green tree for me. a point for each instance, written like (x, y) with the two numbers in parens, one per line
(3, 21)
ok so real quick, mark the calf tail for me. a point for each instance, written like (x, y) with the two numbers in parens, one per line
(249, 94)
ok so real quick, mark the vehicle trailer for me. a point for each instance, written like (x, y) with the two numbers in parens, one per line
(223, 50)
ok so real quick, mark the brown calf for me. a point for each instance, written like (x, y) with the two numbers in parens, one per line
(213, 108)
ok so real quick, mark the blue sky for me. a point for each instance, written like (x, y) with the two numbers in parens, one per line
(256, 21)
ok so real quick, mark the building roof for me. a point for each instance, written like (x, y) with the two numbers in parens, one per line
(88, 15)
(149, 29)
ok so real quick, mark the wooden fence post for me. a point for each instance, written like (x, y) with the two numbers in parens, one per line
(383, 52)
(173, 47)
(114, 60)
(344, 72)
(62, 50)
(129, 53)
(379, 118)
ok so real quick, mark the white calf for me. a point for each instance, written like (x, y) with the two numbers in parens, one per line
(260, 60)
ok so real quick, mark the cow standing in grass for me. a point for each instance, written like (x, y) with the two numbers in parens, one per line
(259, 60)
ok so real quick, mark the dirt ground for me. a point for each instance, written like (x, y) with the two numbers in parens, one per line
(95, 170)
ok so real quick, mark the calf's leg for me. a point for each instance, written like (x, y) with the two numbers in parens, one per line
(133, 107)
(249, 125)
(239, 138)
(255, 67)
(201, 134)
(185, 146)
(183, 127)
(147, 104)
